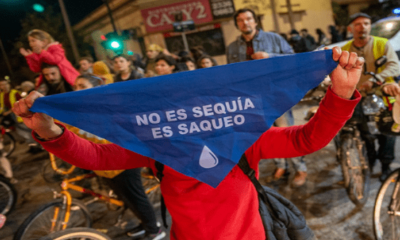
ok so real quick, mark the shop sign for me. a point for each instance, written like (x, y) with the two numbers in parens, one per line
(222, 8)
(161, 18)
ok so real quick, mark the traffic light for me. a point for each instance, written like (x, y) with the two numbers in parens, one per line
(113, 42)
(38, 7)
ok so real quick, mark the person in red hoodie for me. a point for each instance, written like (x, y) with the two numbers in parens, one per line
(229, 211)
(46, 50)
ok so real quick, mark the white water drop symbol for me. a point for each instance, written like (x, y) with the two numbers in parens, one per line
(208, 158)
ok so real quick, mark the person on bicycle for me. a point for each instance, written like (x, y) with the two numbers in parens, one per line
(198, 211)
(8, 97)
(372, 48)
(127, 184)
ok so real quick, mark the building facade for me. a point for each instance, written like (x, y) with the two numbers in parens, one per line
(151, 21)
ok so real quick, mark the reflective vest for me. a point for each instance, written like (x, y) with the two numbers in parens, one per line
(378, 49)
(12, 99)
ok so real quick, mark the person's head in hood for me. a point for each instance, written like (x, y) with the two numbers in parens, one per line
(100, 68)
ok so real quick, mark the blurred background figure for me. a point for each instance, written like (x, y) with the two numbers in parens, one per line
(309, 40)
(196, 52)
(297, 42)
(284, 36)
(335, 37)
(86, 65)
(42, 88)
(101, 70)
(124, 69)
(165, 64)
(206, 61)
(149, 62)
(26, 88)
(8, 97)
(189, 62)
(322, 39)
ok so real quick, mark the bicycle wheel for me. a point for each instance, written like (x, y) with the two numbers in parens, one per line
(355, 170)
(7, 143)
(151, 186)
(51, 176)
(77, 233)
(39, 223)
(8, 196)
(387, 209)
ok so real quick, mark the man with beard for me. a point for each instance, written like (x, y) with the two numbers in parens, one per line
(54, 81)
(372, 48)
(254, 43)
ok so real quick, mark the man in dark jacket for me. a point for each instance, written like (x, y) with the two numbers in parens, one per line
(298, 43)
(310, 40)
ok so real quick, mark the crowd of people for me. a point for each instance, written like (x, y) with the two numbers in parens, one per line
(56, 74)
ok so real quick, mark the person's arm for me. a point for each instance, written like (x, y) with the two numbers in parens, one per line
(71, 148)
(392, 66)
(391, 89)
(335, 109)
(34, 62)
(287, 142)
(53, 55)
(88, 155)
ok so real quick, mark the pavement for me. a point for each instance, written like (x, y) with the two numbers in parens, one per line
(323, 199)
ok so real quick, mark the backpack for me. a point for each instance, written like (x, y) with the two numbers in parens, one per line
(282, 220)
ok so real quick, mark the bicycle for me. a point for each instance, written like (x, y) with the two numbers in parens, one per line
(56, 170)
(7, 140)
(77, 233)
(386, 218)
(65, 212)
(8, 196)
(351, 155)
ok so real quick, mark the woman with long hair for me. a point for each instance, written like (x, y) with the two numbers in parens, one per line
(124, 68)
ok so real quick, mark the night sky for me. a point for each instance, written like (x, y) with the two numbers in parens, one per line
(12, 11)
